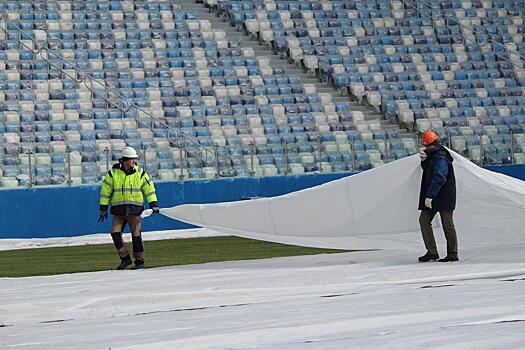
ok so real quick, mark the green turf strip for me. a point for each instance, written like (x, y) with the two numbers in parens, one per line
(98, 257)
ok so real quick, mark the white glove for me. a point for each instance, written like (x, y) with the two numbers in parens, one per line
(146, 213)
(428, 203)
(423, 155)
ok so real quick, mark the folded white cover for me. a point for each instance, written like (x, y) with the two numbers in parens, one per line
(371, 210)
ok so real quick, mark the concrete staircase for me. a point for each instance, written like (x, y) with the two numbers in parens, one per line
(245, 40)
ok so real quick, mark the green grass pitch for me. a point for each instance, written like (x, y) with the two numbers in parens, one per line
(99, 257)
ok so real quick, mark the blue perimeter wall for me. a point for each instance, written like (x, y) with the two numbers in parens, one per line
(73, 211)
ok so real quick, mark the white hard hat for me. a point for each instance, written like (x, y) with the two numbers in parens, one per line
(129, 152)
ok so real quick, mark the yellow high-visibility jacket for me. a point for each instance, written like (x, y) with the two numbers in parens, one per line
(127, 189)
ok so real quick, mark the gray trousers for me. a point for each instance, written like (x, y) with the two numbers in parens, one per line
(447, 221)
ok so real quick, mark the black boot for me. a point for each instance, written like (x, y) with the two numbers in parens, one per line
(124, 262)
(428, 257)
(139, 264)
(449, 258)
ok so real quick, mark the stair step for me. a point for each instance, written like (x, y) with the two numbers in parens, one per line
(261, 52)
(296, 71)
(280, 62)
(245, 40)
(253, 44)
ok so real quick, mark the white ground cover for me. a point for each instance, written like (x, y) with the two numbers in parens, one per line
(380, 299)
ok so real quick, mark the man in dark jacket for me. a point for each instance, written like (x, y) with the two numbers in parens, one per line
(438, 194)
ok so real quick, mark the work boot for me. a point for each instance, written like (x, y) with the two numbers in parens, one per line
(139, 264)
(428, 257)
(124, 262)
(449, 258)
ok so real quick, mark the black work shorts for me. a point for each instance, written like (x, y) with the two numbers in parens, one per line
(126, 209)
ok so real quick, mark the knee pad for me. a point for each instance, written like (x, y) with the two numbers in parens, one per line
(138, 246)
(117, 240)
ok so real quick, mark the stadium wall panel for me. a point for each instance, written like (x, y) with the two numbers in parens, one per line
(73, 211)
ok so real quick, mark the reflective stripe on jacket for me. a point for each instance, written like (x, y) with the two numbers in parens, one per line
(119, 188)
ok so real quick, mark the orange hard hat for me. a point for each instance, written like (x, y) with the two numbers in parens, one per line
(429, 137)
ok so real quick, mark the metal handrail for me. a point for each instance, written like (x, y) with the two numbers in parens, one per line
(30, 184)
(481, 159)
(286, 158)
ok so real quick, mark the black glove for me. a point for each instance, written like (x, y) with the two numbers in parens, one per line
(155, 210)
(103, 216)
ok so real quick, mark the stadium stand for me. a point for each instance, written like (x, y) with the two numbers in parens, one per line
(80, 80)
(454, 66)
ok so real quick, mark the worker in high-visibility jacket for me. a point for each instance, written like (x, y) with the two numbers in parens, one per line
(124, 188)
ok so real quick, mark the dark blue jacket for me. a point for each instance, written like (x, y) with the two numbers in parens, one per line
(438, 181)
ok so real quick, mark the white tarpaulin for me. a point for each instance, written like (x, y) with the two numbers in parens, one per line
(373, 209)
